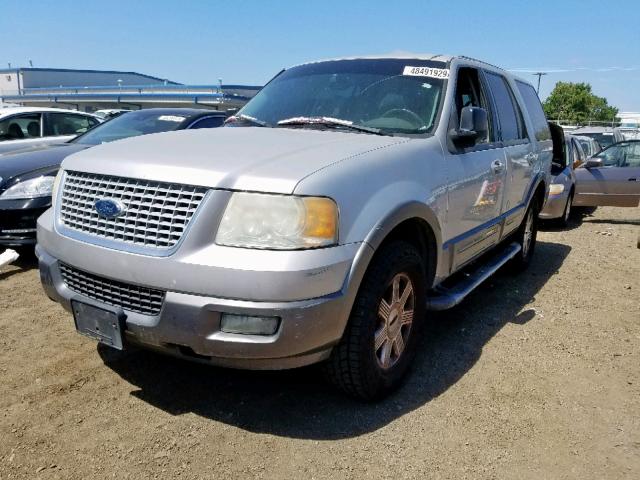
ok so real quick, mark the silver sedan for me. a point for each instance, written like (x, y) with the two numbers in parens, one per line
(562, 189)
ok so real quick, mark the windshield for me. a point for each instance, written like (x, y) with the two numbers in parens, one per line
(394, 96)
(131, 124)
(604, 139)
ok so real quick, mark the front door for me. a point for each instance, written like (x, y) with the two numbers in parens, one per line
(476, 197)
(616, 183)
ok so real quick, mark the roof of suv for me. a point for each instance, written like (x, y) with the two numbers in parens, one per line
(13, 110)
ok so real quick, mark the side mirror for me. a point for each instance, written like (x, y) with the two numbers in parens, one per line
(594, 162)
(474, 124)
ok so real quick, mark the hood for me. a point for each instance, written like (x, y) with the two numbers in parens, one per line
(242, 158)
(23, 162)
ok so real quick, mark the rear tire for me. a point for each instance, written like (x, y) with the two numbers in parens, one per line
(379, 341)
(526, 236)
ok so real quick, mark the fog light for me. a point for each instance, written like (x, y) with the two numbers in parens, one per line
(248, 325)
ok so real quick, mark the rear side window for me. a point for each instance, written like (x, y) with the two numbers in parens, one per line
(534, 107)
(511, 125)
(631, 155)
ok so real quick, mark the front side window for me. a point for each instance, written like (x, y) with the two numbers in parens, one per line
(511, 127)
(67, 124)
(19, 127)
(631, 155)
(469, 93)
(611, 156)
(383, 94)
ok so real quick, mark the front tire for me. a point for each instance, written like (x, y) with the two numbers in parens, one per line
(380, 339)
(563, 221)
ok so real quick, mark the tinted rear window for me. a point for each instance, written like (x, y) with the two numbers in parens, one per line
(534, 107)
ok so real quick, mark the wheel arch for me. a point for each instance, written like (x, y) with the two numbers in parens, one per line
(538, 191)
(415, 223)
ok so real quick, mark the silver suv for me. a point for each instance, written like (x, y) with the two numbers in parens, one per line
(319, 226)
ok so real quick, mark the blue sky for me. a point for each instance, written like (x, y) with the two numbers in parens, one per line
(248, 41)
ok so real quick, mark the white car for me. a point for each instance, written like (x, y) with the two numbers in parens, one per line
(23, 127)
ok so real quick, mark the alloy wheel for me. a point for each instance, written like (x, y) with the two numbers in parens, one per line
(395, 318)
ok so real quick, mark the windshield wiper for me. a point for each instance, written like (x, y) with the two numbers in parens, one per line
(247, 118)
(329, 122)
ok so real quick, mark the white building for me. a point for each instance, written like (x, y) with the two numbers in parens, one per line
(629, 119)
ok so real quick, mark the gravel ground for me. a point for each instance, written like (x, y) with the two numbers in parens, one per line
(533, 376)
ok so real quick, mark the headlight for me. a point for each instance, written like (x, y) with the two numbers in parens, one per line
(556, 189)
(32, 188)
(280, 222)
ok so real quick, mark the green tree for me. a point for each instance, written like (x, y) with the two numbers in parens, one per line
(575, 103)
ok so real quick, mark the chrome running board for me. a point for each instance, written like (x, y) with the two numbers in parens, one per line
(443, 298)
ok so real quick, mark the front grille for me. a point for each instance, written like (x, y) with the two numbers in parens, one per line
(133, 298)
(156, 214)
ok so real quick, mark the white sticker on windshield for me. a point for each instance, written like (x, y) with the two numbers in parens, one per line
(427, 72)
(171, 118)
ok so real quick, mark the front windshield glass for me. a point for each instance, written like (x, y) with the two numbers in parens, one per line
(604, 139)
(131, 124)
(393, 95)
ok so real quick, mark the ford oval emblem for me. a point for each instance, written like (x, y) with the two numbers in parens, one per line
(109, 208)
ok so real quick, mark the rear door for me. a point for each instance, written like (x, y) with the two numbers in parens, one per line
(518, 148)
(545, 150)
(616, 183)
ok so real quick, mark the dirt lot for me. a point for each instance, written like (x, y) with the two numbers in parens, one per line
(534, 376)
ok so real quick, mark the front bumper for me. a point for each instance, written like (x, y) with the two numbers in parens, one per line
(18, 220)
(311, 292)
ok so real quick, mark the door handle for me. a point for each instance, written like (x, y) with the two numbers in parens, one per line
(634, 179)
(497, 166)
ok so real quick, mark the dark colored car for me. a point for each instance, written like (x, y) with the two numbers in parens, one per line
(27, 176)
